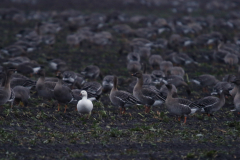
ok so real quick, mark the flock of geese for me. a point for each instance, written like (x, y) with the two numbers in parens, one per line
(150, 90)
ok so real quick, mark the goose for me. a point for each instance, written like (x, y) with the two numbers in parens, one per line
(85, 105)
(146, 96)
(236, 99)
(16, 61)
(133, 66)
(69, 76)
(94, 89)
(177, 81)
(155, 60)
(211, 104)
(44, 89)
(73, 40)
(122, 99)
(31, 67)
(133, 56)
(179, 71)
(165, 66)
(91, 72)
(62, 94)
(179, 106)
(58, 65)
(28, 83)
(231, 59)
(107, 83)
(205, 80)
(22, 94)
(5, 91)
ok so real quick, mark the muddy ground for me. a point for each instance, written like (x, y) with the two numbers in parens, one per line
(40, 132)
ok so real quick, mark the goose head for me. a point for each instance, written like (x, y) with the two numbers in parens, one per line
(59, 75)
(83, 93)
(137, 74)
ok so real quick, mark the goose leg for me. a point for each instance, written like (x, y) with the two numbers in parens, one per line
(179, 119)
(65, 108)
(145, 109)
(238, 112)
(208, 115)
(148, 109)
(185, 120)
(124, 110)
(120, 110)
(58, 107)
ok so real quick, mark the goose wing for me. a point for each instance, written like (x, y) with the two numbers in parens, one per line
(126, 98)
(207, 101)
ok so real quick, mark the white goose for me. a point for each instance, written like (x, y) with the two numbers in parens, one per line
(85, 105)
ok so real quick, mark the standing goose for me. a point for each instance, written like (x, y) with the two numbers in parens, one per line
(44, 89)
(146, 96)
(212, 104)
(5, 91)
(62, 94)
(85, 105)
(179, 106)
(236, 99)
(122, 99)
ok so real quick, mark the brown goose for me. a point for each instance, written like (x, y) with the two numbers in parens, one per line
(155, 60)
(205, 80)
(44, 89)
(211, 104)
(179, 106)
(122, 99)
(92, 72)
(5, 91)
(133, 66)
(179, 71)
(236, 99)
(165, 66)
(62, 94)
(22, 94)
(146, 96)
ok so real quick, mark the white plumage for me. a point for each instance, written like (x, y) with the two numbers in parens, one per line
(84, 105)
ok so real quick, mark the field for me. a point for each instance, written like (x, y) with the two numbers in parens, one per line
(40, 132)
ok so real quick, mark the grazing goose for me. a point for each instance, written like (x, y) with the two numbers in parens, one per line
(236, 99)
(28, 83)
(154, 61)
(133, 66)
(177, 81)
(165, 66)
(85, 105)
(146, 96)
(69, 76)
(122, 99)
(179, 106)
(223, 86)
(22, 94)
(231, 59)
(205, 80)
(107, 83)
(31, 67)
(94, 89)
(58, 65)
(91, 71)
(16, 61)
(5, 91)
(178, 71)
(44, 89)
(211, 104)
(62, 94)
(133, 56)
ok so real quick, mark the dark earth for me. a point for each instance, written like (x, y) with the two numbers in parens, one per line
(40, 132)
